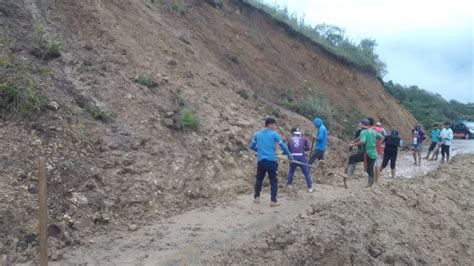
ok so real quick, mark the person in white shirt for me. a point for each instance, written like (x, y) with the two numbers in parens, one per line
(446, 137)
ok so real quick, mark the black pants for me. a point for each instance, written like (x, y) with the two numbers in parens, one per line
(389, 156)
(359, 157)
(445, 151)
(317, 154)
(270, 167)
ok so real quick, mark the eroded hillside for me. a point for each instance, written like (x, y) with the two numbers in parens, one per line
(231, 67)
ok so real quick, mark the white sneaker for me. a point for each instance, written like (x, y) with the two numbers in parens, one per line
(256, 200)
(310, 190)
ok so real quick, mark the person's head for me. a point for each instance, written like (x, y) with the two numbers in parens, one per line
(270, 123)
(447, 125)
(417, 126)
(371, 121)
(394, 132)
(318, 122)
(365, 123)
(378, 124)
(295, 131)
(435, 126)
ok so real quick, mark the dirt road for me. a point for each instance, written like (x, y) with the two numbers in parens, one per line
(200, 234)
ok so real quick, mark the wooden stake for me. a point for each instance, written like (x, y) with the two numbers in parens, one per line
(43, 212)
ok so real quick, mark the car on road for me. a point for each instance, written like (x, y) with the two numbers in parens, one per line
(463, 129)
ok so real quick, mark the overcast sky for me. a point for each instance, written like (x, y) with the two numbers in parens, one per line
(428, 43)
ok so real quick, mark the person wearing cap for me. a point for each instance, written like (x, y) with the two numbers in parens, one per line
(390, 152)
(367, 139)
(298, 145)
(417, 140)
(263, 142)
(321, 141)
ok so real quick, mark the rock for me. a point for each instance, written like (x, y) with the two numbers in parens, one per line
(53, 106)
(169, 122)
(169, 114)
(216, 3)
(172, 62)
(133, 227)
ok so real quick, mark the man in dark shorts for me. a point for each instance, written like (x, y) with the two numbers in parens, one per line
(263, 142)
(434, 140)
(321, 140)
(417, 143)
(367, 139)
(392, 143)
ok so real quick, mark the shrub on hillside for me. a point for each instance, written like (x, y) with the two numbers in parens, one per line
(98, 114)
(314, 106)
(187, 119)
(45, 48)
(146, 81)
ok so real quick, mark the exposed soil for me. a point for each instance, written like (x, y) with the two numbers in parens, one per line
(232, 66)
(427, 220)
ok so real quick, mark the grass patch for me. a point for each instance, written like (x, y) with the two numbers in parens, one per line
(330, 37)
(146, 81)
(314, 106)
(45, 48)
(19, 92)
(98, 114)
(187, 119)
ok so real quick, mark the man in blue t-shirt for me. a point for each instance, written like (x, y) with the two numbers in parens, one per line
(263, 142)
(434, 140)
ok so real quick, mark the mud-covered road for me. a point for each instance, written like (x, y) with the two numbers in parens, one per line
(198, 235)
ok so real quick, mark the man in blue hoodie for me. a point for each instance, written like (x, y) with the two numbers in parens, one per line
(263, 142)
(321, 140)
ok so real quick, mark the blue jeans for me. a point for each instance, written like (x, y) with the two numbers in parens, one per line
(270, 167)
(304, 169)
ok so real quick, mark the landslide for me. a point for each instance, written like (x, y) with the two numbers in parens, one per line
(424, 221)
(231, 67)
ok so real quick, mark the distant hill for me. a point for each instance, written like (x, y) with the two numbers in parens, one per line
(427, 107)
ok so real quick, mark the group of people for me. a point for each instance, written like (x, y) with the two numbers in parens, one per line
(263, 142)
(371, 145)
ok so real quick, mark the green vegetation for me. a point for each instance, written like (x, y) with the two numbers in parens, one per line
(429, 108)
(330, 37)
(19, 93)
(176, 6)
(187, 119)
(314, 106)
(98, 114)
(45, 48)
(146, 81)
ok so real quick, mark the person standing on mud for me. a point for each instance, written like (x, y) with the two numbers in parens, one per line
(436, 150)
(390, 152)
(321, 141)
(298, 145)
(263, 142)
(378, 147)
(417, 139)
(434, 140)
(367, 139)
(446, 138)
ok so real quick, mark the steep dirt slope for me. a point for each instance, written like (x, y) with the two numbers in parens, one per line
(229, 66)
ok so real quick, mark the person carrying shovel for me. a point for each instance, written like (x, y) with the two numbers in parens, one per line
(263, 142)
(298, 145)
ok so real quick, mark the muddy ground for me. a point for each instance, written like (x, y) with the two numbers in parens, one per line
(410, 221)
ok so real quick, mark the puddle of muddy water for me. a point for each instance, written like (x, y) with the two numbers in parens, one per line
(406, 168)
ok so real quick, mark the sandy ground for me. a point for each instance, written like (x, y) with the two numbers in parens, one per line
(198, 235)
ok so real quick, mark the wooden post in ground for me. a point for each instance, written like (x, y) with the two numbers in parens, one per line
(43, 212)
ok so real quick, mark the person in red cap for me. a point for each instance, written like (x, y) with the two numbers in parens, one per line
(367, 139)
